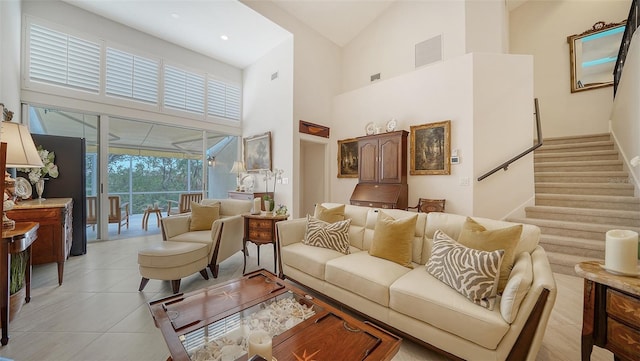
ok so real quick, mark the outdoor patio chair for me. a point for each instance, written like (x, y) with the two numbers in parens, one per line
(184, 205)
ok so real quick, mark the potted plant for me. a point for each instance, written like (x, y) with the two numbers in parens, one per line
(16, 282)
(269, 203)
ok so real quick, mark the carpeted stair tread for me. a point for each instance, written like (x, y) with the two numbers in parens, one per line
(586, 174)
(592, 244)
(578, 138)
(591, 198)
(576, 147)
(577, 226)
(575, 156)
(580, 166)
(603, 189)
(586, 211)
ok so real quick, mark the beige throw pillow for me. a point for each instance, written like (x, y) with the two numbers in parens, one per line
(476, 236)
(329, 215)
(393, 238)
(471, 272)
(328, 235)
(202, 217)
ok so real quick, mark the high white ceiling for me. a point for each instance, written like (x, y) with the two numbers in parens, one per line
(198, 24)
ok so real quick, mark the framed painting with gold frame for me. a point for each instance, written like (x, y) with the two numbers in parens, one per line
(257, 152)
(431, 148)
(348, 158)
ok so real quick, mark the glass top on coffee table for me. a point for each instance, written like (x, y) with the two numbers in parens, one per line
(226, 339)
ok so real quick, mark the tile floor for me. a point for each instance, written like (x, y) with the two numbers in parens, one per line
(98, 314)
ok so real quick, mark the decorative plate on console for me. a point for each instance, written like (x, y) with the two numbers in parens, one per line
(23, 188)
(370, 128)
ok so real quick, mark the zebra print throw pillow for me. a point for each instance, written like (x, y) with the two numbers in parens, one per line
(328, 235)
(471, 272)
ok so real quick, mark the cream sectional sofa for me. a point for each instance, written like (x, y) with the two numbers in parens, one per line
(223, 239)
(414, 303)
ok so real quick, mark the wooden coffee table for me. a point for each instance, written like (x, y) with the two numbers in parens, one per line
(219, 318)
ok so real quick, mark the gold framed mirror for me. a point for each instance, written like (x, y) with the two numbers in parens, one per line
(593, 55)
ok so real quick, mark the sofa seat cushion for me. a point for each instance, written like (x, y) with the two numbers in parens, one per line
(420, 295)
(309, 259)
(364, 275)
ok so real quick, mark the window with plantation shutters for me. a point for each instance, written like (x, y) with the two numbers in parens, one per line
(62, 59)
(223, 100)
(131, 76)
(183, 90)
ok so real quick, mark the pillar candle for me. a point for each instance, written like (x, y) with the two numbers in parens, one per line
(621, 249)
(260, 344)
(257, 205)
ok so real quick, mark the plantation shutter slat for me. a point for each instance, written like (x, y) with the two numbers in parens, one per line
(183, 90)
(60, 59)
(132, 76)
(145, 79)
(223, 100)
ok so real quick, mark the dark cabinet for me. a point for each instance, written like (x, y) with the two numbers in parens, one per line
(383, 158)
(382, 171)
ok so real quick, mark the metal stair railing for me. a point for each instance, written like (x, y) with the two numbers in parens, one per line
(538, 144)
(630, 29)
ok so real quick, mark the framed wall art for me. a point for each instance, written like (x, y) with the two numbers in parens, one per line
(257, 152)
(431, 148)
(348, 158)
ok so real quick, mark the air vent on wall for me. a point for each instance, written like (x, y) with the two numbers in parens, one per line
(274, 76)
(429, 51)
(375, 77)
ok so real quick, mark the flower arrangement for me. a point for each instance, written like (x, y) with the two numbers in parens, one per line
(281, 210)
(49, 168)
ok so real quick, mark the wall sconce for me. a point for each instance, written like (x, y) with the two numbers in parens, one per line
(211, 161)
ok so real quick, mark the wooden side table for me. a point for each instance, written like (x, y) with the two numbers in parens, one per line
(260, 229)
(611, 313)
(14, 241)
(145, 217)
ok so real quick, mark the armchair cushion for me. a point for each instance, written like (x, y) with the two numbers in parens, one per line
(202, 217)
(517, 287)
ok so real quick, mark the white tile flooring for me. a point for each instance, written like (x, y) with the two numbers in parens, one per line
(98, 313)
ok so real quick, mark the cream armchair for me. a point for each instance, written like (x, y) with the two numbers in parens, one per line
(225, 236)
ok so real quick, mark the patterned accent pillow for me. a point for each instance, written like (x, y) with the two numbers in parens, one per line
(328, 235)
(471, 272)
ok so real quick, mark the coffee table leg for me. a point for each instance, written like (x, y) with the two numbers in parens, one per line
(244, 255)
(275, 259)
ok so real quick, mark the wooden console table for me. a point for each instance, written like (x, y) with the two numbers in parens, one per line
(55, 216)
(611, 314)
(14, 241)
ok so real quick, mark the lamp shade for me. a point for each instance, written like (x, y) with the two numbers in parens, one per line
(238, 167)
(21, 151)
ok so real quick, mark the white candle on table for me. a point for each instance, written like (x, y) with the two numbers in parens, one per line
(621, 250)
(260, 344)
(257, 205)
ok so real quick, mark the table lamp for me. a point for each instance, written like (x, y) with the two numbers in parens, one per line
(21, 153)
(238, 167)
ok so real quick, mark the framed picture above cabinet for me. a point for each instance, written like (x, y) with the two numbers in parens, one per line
(348, 158)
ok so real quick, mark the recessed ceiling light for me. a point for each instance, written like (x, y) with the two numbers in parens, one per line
(224, 37)
(175, 16)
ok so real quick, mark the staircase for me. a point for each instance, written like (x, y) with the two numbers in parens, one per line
(582, 192)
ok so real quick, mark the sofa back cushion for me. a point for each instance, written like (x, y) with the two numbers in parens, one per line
(451, 224)
(363, 222)
(230, 207)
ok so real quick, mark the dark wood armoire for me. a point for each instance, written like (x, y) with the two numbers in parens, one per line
(382, 171)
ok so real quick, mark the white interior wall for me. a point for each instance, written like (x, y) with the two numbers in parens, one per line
(387, 46)
(317, 78)
(460, 90)
(10, 56)
(486, 26)
(625, 117)
(502, 122)
(540, 28)
(268, 107)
